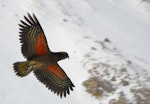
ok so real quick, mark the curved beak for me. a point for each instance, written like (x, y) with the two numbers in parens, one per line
(68, 56)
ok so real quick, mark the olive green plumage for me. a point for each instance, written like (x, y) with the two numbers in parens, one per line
(40, 60)
(22, 68)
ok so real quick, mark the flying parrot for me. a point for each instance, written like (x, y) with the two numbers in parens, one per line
(40, 59)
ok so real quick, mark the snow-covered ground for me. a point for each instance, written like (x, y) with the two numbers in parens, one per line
(79, 27)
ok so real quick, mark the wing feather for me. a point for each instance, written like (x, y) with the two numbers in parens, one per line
(32, 37)
(56, 83)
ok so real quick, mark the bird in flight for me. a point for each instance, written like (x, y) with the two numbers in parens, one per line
(40, 59)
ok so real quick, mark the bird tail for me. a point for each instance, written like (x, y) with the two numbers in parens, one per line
(22, 68)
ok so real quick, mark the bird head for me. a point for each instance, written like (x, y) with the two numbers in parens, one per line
(65, 55)
(61, 55)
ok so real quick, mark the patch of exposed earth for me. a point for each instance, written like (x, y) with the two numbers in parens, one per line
(114, 78)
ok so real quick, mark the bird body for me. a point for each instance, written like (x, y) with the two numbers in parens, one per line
(40, 59)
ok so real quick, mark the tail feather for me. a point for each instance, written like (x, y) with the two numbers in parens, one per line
(22, 68)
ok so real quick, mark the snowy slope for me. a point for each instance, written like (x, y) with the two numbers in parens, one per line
(68, 24)
(114, 78)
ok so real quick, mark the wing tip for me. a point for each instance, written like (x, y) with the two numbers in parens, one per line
(29, 20)
(61, 89)
(61, 92)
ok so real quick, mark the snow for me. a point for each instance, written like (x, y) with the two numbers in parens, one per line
(74, 26)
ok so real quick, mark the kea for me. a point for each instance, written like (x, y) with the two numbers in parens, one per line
(40, 59)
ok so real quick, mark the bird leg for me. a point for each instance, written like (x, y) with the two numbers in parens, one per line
(34, 65)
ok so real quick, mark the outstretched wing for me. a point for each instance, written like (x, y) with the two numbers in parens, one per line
(32, 38)
(55, 79)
